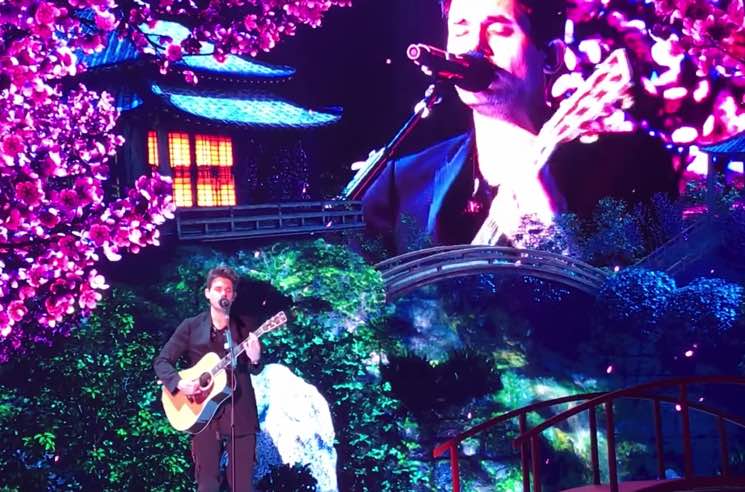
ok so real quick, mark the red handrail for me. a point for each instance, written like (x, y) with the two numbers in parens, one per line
(439, 450)
(452, 444)
(641, 392)
(591, 402)
(638, 390)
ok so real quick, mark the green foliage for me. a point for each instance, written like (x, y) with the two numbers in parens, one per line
(319, 270)
(616, 234)
(558, 237)
(413, 235)
(511, 482)
(735, 227)
(85, 414)
(635, 459)
(648, 317)
(91, 418)
(636, 297)
(331, 342)
(663, 219)
(724, 195)
(706, 309)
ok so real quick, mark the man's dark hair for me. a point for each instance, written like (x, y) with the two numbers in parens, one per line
(224, 272)
(547, 18)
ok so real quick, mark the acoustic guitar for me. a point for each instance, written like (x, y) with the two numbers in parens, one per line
(192, 413)
(598, 96)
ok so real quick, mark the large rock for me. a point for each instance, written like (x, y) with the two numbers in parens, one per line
(295, 426)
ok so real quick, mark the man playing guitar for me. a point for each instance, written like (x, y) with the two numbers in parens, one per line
(489, 175)
(208, 333)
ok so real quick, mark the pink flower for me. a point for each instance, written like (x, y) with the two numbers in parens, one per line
(17, 310)
(88, 298)
(69, 247)
(249, 22)
(5, 327)
(37, 275)
(12, 145)
(190, 77)
(13, 221)
(99, 234)
(46, 13)
(48, 220)
(173, 52)
(105, 21)
(26, 292)
(55, 141)
(54, 306)
(28, 193)
(68, 200)
(97, 281)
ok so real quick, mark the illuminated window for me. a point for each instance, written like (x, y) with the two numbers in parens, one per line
(179, 153)
(211, 164)
(152, 149)
(215, 182)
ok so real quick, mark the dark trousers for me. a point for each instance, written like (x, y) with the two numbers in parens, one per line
(206, 449)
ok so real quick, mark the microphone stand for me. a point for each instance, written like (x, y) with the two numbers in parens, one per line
(233, 386)
(375, 164)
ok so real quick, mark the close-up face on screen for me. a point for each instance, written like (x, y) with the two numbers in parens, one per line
(372, 245)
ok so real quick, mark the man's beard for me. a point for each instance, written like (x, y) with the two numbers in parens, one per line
(502, 99)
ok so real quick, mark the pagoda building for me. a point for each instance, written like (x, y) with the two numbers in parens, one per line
(231, 138)
(240, 152)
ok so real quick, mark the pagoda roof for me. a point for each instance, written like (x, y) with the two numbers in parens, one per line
(247, 108)
(734, 145)
(118, 51)
(115, 51)
(125, 99)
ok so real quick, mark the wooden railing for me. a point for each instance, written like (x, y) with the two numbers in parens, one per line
(267, 220)
(409, 271)
(528, 440)
(521, 414)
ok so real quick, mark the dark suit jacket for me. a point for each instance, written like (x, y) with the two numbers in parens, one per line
(426, 191)
(193, 339)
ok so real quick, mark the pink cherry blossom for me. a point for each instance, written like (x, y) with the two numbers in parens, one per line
(17, 310)
(12, 145)
(46, 13)
(173, 52)
(688, 57)
(28, 193)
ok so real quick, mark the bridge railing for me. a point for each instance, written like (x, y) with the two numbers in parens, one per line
(451, 446)
(528, 440)
(411, 270)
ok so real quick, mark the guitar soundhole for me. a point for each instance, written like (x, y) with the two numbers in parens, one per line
(205, 379)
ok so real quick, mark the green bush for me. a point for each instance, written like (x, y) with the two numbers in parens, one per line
(86, 414)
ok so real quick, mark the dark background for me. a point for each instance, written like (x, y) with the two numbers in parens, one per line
(345, 63)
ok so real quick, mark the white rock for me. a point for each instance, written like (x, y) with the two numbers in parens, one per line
(296, 426)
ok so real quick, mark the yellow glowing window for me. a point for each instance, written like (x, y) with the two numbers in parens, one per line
(179, 153)
(152, 149)
(215, 181)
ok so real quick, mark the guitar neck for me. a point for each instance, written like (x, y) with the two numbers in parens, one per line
(271, 324)
(489, 232)
(592, 99)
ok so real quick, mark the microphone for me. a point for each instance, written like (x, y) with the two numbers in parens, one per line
(471, 71)
(225, 303)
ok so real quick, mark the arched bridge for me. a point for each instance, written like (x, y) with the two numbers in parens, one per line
(409, 271)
